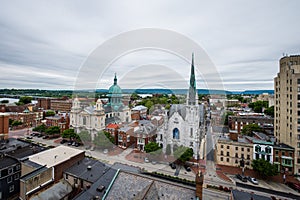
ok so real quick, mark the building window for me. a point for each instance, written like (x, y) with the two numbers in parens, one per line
(176, 133)
(221, 153)
(227, 154)
(242, 149)
(268, 149)
(9, 179)
(16, 176)
(67, 176)
(222, 146)
(248, 149)
(257, 148)
(256, 156)
(236, 155)
(227, 160)
(268, 158)
(236, 148)
(221, 158)
(11, 188)
(191, 132)
(18, 167)
(228, 147)
(276, 152)
(248, 157)
(10, 170)
(236, 161)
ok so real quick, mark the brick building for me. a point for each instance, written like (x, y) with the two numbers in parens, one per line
(284, 158)
(4, 126)
(238, 122)
(61, 105)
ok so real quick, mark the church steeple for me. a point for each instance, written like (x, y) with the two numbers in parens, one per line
(192, 97)
(115, 79)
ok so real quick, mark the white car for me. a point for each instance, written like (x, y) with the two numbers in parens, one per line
(146, 160)
(253, 180)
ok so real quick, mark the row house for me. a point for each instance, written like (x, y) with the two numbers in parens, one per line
(144, 133)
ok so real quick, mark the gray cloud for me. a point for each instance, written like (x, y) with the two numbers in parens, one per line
(43, 44)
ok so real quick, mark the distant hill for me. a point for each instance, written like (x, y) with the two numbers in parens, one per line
(184, 91)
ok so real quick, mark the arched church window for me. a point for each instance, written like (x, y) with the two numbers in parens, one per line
(176, 133)
(84, 120)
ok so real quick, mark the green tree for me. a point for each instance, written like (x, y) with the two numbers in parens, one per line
(5, 101)
(264, 168)
(168, 150)
(85, 136)
(52, 130)
(16, 123)
(225, 117)
(250, 128)
(149, 104)
(49, 113)
(269, 111)
(151, 146)
(24, 100)
(183, 154)
(42, 128)
(101, 140)
(69, 133)
(258, 106)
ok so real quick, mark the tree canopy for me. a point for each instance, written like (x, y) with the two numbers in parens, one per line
(42, 128)
(264, 168)
(183, 154)
(151, 147)
(103, 140)
(85, 136)
(225, 117)
(49, 113)
(258, 106)
(250, 128)
(69, 133)
(24, 100)
(52, 130)
(269, 111)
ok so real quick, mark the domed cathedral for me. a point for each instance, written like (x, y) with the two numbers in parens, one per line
(91, 118)
(115, 110)
(184, 123)
(94, 118)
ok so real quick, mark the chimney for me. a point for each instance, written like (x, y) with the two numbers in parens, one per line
(233, 136)
(199, 184)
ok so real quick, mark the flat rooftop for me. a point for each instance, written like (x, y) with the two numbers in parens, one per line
(54, 156)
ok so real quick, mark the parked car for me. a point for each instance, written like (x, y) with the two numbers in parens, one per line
(154, 162)
(187, 168)
(46, 137)
(294, 186)
(63, 141)
(29, 137)
(241, 177)
(253, 180)
(70, 143)
(146, 160)
(172, 165)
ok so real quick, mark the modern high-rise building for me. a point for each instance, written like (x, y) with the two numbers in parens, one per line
(287, 106)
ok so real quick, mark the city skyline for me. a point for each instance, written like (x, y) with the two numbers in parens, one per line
(44, 46)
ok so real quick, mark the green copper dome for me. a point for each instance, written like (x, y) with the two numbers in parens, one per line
(115, 90)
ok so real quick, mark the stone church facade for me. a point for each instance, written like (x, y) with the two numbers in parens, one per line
(184, 122)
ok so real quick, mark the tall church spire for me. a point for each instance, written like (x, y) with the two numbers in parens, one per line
(115, 79)
(192, 98)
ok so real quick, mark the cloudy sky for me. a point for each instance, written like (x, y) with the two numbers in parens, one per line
(44, 44)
